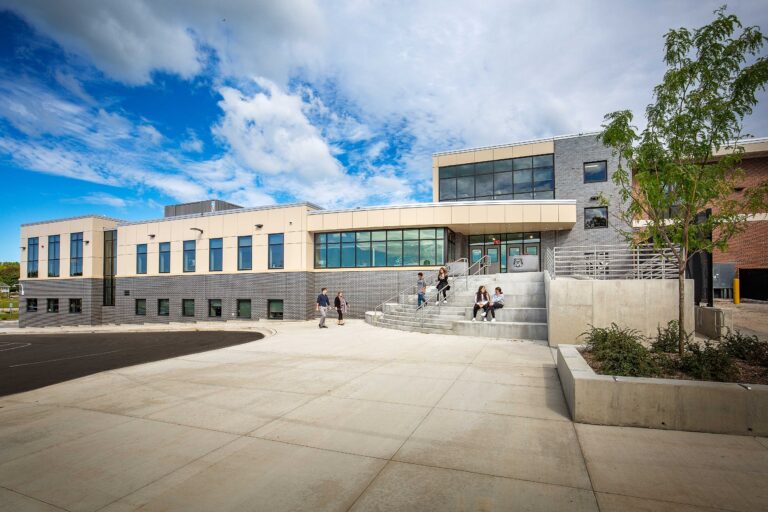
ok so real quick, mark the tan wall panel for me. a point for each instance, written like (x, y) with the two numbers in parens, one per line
(483, 155)
(549, 213)
(495, 213)
(345, 220)
(391, 217)
(330, 221)
(478, 214)
(425, 216)
(360, 219)
(503, 153)
(442, 215)
(376, 218)
(566, 213)
(314, 223)
(409, 217)
(531, 213)
(464, 158)
(513, 213)
(459, 214)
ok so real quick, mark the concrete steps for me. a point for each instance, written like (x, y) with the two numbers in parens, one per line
(523, 317)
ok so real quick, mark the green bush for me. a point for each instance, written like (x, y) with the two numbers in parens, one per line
(745, 347)
(620, 351)
(709, 362)
(666, 338)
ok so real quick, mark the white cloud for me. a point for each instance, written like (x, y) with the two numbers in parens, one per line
(101, 198)
(192, 144)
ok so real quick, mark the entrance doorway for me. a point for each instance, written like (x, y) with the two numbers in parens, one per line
(501, 247)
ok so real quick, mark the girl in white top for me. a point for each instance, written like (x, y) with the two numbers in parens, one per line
(497, 302)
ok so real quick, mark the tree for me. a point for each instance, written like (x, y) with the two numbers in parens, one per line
(9, 272)
(686, 159)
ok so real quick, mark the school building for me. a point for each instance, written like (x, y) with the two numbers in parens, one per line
(213, 260)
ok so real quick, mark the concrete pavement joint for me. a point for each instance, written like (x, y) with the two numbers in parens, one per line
(33, 498)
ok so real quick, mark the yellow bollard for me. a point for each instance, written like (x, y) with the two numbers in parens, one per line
(736, 291)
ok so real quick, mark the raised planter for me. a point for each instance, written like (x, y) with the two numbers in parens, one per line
(697, 406)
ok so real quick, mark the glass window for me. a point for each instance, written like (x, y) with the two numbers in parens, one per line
(363, 256)
(547, 194)
(483, 167)
(53, 256)
(141, 307)
(427, 233)
(243, 308)
(275, 309)
(394, 254)
(348, 254)
(524, 195)
(320, 256)
(334, 255)
(523, 181)
(595, 172)
(394, 234)
(363, 236)
(543, 161)
(244, 253)
(187, 307)
(596, 217)
(348, 236)
(76, 254)
(320, 238)
(379, 254)
(484, 185)
(427, 252)
(502, 183)
(465, 170)
(275, 254)
(411, 252)
(522, 163)
(214, 308)
(189, 257)
(31, 305)
(141, 259)
(502, 165)
(32, 256)
(110, 267)
(377, 236)
(465, 187)
(447, 189)
(215, 258)
(164, 258)
(163, 307)
(544, 179)
(75, 306)
(410, 234)
(334, 238)
(52, 305)
(448, 171)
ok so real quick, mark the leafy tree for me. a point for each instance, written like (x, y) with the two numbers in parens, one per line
(9, 272)
(686, 160)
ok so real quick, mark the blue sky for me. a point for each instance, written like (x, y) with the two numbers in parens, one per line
(118, 108)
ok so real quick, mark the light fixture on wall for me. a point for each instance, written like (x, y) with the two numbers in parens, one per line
(259, 226)
(197, 229)
(151, 236)
(594, 198)
(23, 248)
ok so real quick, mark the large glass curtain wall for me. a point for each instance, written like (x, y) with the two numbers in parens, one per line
(514, 178)
(386, 248)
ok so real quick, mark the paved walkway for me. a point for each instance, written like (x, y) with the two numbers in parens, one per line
(353, 418)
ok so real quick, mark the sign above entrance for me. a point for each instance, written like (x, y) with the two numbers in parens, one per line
(523, 263)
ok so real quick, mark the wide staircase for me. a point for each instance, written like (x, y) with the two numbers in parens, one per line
(524, 315)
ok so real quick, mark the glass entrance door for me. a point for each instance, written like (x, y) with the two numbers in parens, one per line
(514, 250)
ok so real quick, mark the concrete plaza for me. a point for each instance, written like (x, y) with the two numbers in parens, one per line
(353, 418)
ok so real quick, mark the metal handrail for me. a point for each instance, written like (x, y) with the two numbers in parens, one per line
(481, 264)
(612, 262)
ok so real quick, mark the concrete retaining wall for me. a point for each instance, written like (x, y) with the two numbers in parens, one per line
(697, 406)
(573, 305)
(713, 322)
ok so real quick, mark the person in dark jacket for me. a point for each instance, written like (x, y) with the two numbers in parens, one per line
(342, 306)
(442, 284)
(322, 306)
(482, 300)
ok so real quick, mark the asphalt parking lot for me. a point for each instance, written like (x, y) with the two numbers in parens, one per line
(31, 361)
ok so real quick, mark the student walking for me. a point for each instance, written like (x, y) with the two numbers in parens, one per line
(497, 302)
(342, 306)
(481, 302)
(421, 288)
(322, 306)
(442, 285)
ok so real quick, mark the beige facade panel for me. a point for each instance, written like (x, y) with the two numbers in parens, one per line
(566, 214)
(93, 231)
(483, 155)
(549, 213)
(503, 153)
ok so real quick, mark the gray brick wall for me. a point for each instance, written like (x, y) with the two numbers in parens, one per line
(89, 290)
(570, 156)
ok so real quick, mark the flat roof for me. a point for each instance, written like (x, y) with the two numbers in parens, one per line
(233, 211)
(446, 204)
(65, 219)
(512, 144)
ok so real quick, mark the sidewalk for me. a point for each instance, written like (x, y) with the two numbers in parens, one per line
(353, 418)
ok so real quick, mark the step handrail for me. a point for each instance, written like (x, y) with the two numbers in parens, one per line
(400, 295)
(481, 264)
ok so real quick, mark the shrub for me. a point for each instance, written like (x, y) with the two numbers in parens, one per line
(620, 351)
(666, 338)
(745, 347)
(709, 362)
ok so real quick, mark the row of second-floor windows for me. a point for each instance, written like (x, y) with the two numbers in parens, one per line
(52, 305)
(385, 248)
(215, 254)
(54, 255)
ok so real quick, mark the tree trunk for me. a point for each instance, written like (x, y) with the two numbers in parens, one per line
(681, 303)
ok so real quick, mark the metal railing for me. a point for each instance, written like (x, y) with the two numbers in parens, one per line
(460, 281)
(612, 262)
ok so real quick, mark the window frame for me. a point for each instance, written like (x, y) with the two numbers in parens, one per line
(76, 254)
(161, 254)
(596, 208)
(141, 256)
(28, 307)
(185, 252)
(241, 250)
(215, 250)
(79, 303)
(184, 302)
(167, 308)
(269, 309)
(51, 302)
(220, 306)
(136, 303)
(54, 263)
(33, 257)
(250, 308)
(584, 171)
(273, 264)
